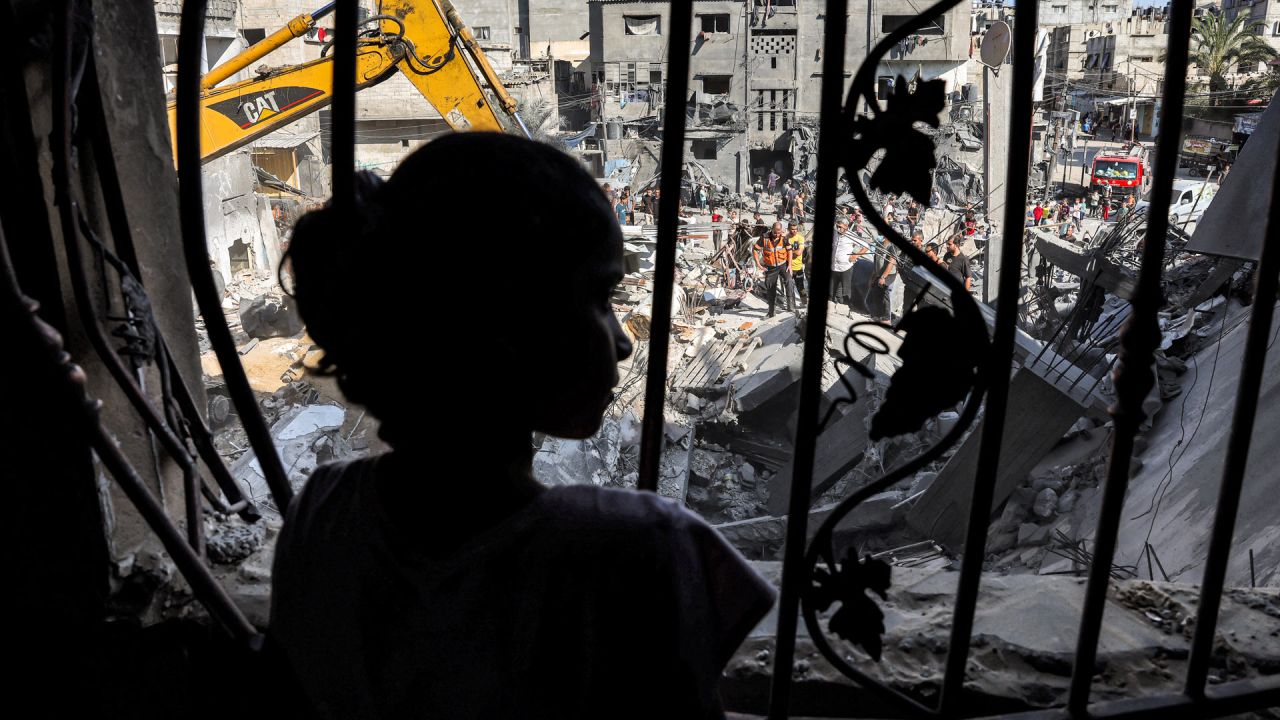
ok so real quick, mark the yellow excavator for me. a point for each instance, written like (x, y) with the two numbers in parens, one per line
(425, 40)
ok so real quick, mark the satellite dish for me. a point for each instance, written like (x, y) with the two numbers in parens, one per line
(995, 44)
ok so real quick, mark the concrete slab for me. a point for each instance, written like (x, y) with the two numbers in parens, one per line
(1038, 416)
(838, 449)
(775, 373)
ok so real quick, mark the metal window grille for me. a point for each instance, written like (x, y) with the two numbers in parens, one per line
(1133, 377)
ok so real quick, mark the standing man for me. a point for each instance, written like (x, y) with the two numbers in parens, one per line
(847, 251)
(758, 228)
(957, 262)
(773, 182)
(788, 199)
(913, 214)
(885, 278)
(795, 241)
(931, 250)
(773, 257)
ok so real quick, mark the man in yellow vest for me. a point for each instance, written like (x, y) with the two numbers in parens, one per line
(773, 256)
(796, 242)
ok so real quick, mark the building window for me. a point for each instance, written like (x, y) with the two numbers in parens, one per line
(716, 84)
(718, 23)
(1110, 8)
(655, 77)
(704, 149)
(254, 36)
(1060, 8)
(889, 23)
(481, 32)
(642, 24)
(1143, 58)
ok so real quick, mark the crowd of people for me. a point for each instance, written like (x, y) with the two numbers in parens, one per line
(783, 259)
(1068, 215)
(781, 255)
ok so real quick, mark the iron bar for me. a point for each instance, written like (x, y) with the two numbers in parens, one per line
(664, 266)
(195, 249)
(795, 576)
(343, 110)
(122, 236)
(71, 224)
(1133, 377)
(1224, 519)
(39, 333)
(998, 363)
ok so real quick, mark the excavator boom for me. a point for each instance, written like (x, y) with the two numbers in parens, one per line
(427, 44)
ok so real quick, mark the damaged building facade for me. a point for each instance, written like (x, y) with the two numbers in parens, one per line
(756, 72)
(242, 225)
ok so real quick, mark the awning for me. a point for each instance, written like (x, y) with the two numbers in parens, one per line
(284, 140)
(574, 140)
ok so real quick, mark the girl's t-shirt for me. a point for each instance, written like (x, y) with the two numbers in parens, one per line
(587, 602)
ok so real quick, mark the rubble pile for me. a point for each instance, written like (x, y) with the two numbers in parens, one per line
(1021, 658)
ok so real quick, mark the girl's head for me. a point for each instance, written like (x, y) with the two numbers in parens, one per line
(472, 288)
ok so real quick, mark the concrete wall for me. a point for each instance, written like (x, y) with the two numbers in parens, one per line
(774, 65)
(553, 21)
(1069, 12)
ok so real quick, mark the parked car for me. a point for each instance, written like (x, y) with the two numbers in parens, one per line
(1190, 199)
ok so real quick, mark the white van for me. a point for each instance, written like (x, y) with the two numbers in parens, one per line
(1190, 199)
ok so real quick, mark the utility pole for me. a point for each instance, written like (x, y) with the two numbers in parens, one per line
(1133, 107)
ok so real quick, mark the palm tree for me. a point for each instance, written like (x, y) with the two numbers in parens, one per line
(1217, 45)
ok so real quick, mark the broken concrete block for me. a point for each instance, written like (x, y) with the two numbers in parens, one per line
(1047, 479)
(268, 316)
(1045, 504)
(305, 438)
(231, 541)
(1000, 542)
(773, 375)
(777, 330)
(1032, 534)
(875, 513)
(1067, 501)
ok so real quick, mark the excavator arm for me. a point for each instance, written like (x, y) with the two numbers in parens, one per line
(426, 42)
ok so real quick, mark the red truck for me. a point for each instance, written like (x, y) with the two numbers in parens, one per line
(1128, 172)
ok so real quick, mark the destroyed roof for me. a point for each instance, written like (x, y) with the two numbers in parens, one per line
(285, 140)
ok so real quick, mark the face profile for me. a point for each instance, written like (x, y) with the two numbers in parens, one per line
(545, 351)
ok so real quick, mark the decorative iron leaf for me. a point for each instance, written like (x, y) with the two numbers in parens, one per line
(908, 162)
(939, 367)
(858, 619)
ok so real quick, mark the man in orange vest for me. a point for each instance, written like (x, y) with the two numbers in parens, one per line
(773, 256)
